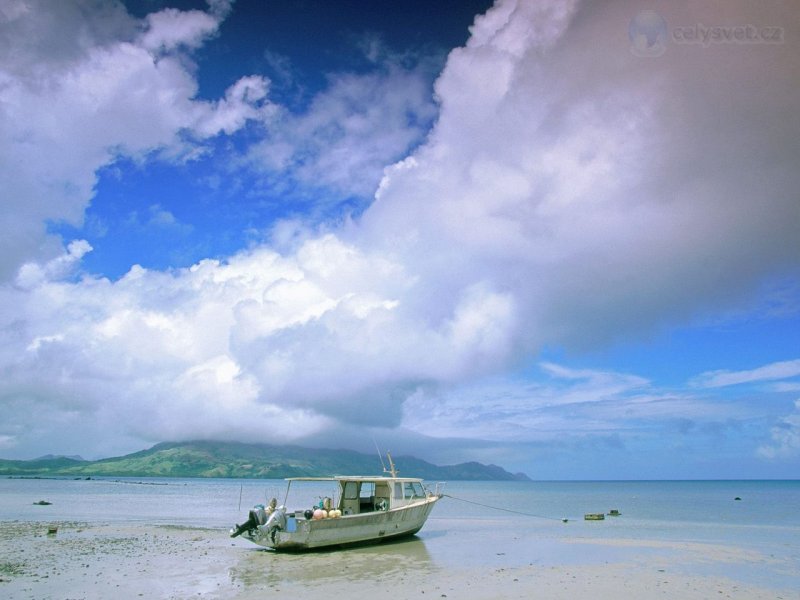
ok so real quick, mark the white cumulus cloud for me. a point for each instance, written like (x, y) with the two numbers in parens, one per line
(570, 192)
(80, 88)
(350, 132)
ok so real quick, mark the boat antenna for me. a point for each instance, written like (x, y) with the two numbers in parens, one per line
(380, 457)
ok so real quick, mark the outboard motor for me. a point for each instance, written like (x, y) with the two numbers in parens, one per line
(256, 517)
(276, 522)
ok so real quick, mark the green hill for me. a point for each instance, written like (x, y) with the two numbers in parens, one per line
(232, 459)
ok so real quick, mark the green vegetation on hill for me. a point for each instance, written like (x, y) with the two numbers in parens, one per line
(232, 459)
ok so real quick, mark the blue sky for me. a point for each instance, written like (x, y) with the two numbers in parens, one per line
(544, 235)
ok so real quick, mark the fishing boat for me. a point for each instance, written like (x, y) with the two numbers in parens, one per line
(363, 509)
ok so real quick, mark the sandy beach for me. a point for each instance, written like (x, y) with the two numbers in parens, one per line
(83, 561)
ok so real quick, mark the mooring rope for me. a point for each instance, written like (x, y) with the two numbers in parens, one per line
(508, 510)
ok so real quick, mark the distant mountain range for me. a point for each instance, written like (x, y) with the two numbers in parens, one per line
(232, 459)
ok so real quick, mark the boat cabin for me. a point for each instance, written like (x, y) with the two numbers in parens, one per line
(359, 496)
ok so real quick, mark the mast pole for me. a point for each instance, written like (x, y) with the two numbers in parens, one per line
(392, 470)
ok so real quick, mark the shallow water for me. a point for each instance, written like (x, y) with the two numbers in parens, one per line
(461, 532)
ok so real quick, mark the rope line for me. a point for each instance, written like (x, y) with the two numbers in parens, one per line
(508, 510)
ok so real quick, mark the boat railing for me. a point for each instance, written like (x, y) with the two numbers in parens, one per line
(439, 489)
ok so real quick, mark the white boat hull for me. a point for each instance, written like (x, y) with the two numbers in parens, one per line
(307, 534)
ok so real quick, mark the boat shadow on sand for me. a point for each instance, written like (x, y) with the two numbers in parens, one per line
(263, 568)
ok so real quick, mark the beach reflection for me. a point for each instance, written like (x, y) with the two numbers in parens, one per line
(260, 568)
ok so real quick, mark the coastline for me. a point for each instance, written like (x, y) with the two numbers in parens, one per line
(102, 560)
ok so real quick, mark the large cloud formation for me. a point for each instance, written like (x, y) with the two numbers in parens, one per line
(600, 190)
(84, 83)
(570, 192)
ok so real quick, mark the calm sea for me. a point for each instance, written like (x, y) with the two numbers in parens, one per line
(501, 523)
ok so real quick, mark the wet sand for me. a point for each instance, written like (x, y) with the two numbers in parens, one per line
(91, 561)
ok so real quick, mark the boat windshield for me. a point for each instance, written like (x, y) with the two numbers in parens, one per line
(413, 489)
(408, 490)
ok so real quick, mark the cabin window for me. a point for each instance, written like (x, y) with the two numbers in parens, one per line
(413, 489)
(367, 490)
(398, 490)
(350, 490)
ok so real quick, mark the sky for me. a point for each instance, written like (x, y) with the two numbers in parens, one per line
(559, 237)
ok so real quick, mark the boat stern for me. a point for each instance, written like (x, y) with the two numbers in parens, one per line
(262, 525)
